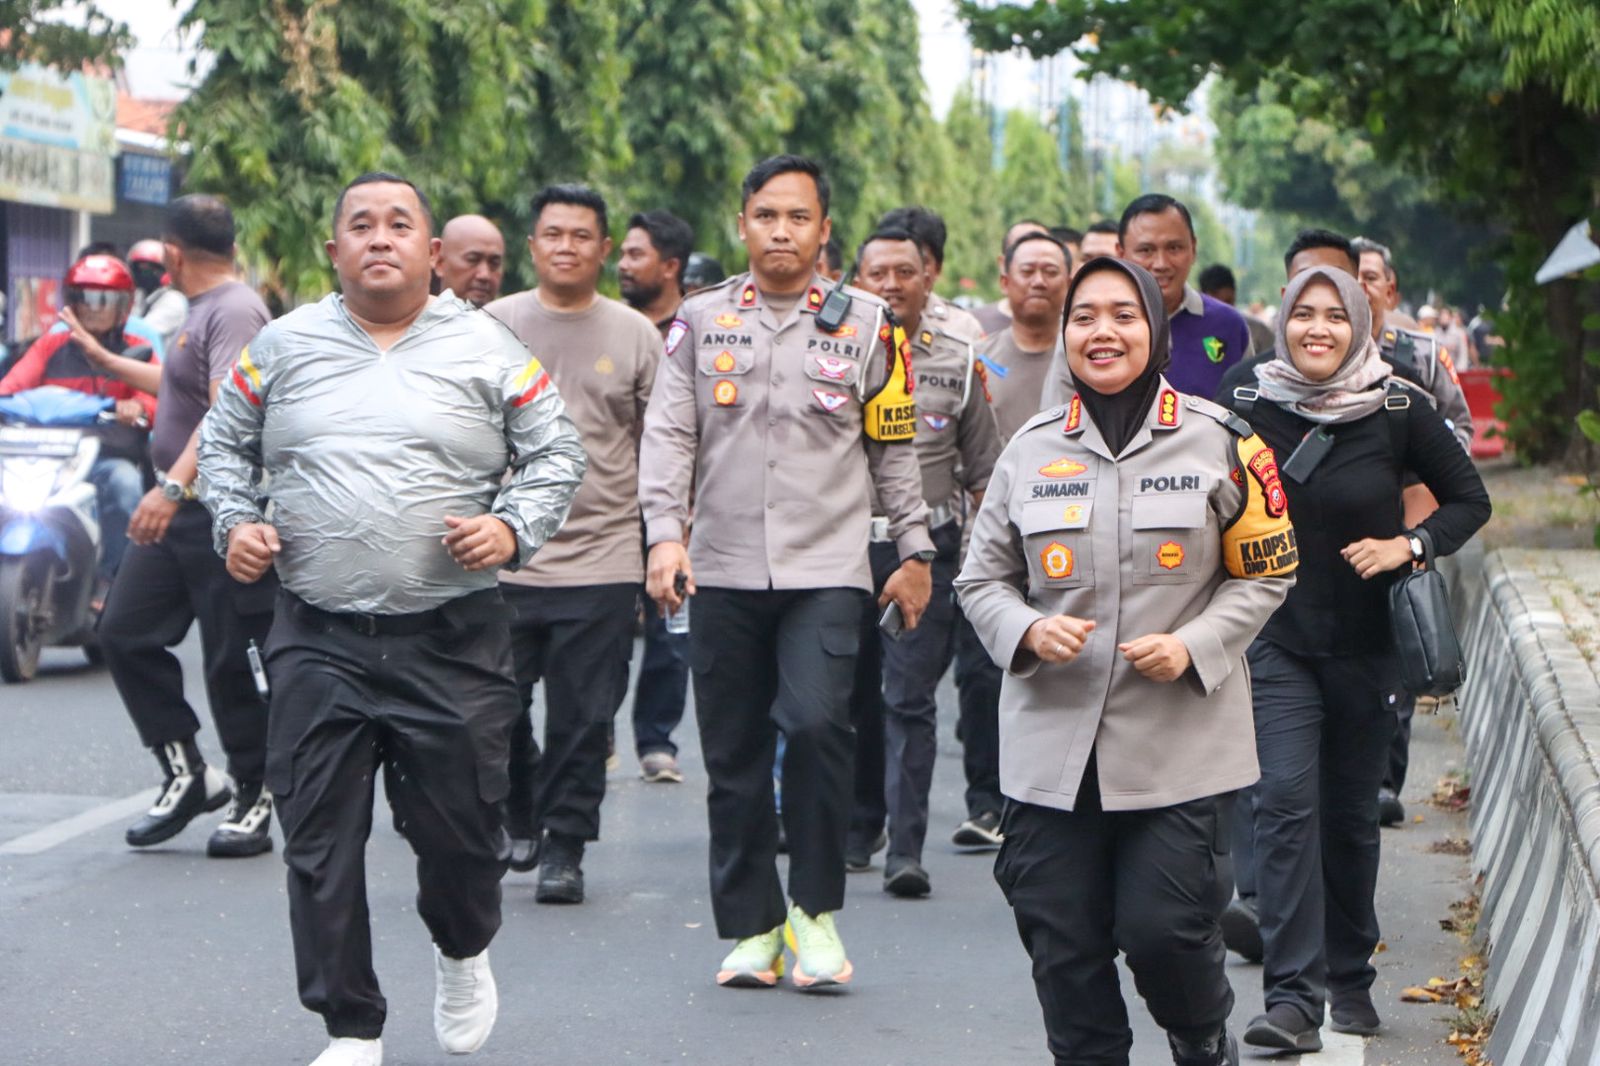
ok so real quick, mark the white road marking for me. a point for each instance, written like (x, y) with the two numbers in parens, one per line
(1340, 1049)
(47, 837)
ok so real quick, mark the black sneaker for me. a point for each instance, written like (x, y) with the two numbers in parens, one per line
(1391, 811)
(245, 831)
(904, 876)
(1241, 930)
(560, 871)
(525, 853)
(1353, 1012)
(858, 853)
(191, 788)
(982, 830)
(1218, 1051)
(1283, 1028)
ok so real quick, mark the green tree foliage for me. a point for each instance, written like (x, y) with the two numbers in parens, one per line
(1316, 174)
(968, 202)
(703, 98)
(1032, 183)
(35, 32)
(1460, 93)
(479, 101)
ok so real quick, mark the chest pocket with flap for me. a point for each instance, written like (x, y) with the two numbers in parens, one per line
(1172, 543)
(1055, 539)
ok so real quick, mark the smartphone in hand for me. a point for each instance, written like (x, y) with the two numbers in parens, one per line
(892, 623)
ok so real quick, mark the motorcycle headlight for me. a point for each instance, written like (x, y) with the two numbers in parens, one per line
(28, 483)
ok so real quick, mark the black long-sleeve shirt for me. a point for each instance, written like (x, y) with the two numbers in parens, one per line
(1354, 493)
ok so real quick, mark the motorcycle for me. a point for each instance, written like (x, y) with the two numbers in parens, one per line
(49, 525)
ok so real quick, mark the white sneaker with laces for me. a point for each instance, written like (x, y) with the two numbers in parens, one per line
(348, 1051)
(465, 1001)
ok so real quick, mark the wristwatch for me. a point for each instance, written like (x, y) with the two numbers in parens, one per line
(922, 556)
(171, 490)
(1417, 552)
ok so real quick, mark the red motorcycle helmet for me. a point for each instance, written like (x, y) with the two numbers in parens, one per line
(100, 281)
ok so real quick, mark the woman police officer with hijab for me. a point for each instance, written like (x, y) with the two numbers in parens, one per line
(1131, 544)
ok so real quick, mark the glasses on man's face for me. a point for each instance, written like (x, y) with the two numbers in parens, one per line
(96, 299)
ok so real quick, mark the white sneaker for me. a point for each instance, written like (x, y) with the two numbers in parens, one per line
(348, 1051)
(465, 1001)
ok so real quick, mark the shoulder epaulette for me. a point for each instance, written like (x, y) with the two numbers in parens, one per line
(1218, 413)
(1044, 418)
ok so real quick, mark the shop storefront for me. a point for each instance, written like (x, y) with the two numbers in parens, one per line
(57, 166)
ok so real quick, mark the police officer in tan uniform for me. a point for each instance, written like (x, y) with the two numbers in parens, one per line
(894, 705)
(785, 428)
(1131, 545)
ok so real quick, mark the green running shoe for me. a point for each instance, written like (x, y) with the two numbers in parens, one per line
(818, 952)
(755, 962)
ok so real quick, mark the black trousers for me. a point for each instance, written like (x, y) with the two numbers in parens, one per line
(894, 708)
(1086, 884)
(434, 710)
(661, 693)
(765, 660)
(578, 642)
(1394, 776)
(160, 591)
(978, 726)
(1323, 727)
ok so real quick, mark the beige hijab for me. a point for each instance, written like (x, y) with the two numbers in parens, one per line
(1352, 392)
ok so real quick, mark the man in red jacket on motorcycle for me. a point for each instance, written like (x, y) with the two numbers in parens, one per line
(99, 297)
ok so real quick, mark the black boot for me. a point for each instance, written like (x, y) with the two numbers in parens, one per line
(244, 831)
(1219, 1049)
(560, 870)
(191, 788)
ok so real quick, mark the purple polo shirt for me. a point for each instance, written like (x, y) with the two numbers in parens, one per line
(1208, 337)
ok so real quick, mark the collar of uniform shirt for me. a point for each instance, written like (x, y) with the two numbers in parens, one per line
(1191, 302)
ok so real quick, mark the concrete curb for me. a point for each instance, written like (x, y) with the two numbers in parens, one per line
(1531, 717)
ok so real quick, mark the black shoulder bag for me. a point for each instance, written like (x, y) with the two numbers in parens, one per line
(1424, 628)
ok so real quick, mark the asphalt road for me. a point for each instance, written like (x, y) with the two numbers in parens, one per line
(108, 956)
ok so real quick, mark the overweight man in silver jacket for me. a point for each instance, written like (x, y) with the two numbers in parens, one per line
(412, 448)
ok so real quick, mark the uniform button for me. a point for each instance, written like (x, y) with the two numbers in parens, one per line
(771, 505)
(777, 379)
(772, 421)
(772, 462)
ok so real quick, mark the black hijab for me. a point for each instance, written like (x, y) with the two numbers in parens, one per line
(1119, 415)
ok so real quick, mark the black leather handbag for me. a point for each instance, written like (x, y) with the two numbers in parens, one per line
(1424, 630)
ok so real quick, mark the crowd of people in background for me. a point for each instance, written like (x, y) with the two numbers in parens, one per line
(813, 499)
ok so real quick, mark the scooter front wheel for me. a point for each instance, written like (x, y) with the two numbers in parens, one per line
(22, 591)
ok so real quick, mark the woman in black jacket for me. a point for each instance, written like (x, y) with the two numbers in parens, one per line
(1324, 671)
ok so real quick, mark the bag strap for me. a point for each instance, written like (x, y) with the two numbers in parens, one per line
(1244, 398)
(1397, 407)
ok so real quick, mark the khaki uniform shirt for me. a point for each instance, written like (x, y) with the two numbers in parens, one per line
(957, 439)
(764, 417)
(1145, 543)
(948, 318)
(1436, 371)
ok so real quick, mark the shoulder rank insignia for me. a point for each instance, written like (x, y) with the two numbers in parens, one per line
(747, 297)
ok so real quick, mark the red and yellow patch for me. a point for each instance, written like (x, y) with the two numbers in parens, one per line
(1056, 559)
(1074, 414)
(728, 320)
(725, 393)
(1073, 513)
(983, 380)
(245, 375)
(814, 298)
(1062, 468)
(1264, 467)
(845, 330)
(1167, 409)
(1236, 477)
(1169, 556)
(529, 384)
(747, 297)
(1449, 365)
(723, 363)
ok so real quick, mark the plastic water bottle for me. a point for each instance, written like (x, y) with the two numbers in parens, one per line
(677, 622)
